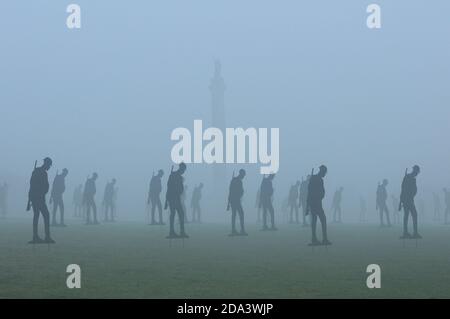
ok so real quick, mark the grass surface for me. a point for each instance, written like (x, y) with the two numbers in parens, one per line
(132, 260)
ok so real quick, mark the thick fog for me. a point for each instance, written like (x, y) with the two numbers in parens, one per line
(105, 98)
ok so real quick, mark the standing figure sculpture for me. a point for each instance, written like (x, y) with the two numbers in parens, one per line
(336, 205)
(292, 202)
(78, 201)
(236, 191)
(39, 187)
(89, 200)
(58, 188)
(316, 193)
(258, 206)
(174, 192)
(266, 202)
(108, 201)
(381, 205)
(409, 191)
(195, 203)
(154, 199)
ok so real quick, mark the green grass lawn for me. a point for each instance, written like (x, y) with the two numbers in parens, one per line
(132, 260)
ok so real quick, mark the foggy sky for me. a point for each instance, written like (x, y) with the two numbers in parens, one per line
(105, 98)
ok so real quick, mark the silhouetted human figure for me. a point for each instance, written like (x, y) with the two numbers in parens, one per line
(336, 205)
(183, 203)
(266, 202)
(437, 207)
(173, 201)
(236, 191)
(3, 199)
(108, 200)
(447, 205)
(292, 202)
(39, 187)
(362, 209)
(381, 203)
(409, 191)
(303, 198)
(56, 197)
(89, 200)
(195, 203)
(154, 197)
(258, 206)
(78, 201)
(395, 205)
(316, 193)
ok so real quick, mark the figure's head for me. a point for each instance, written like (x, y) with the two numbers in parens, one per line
(385, 182)
(47, 163)
(416, 170)
(94, 176)
(182, 168)
(241, 173)
(65, 171)
(341, 189)
(297, 184)
(200, 185)
(322, 171)
(160, 173)
(113, 181)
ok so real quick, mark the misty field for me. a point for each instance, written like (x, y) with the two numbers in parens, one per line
(132, 260)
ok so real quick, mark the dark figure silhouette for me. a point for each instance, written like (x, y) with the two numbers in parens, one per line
(409, 191)
(236, 191)
(89, 200)
(292, 202)
(154, 197)
(395, 204)
(266, 202)
(195, 203)
(56, 197)
(362, 209)
(316, 193)
(108, 201)
(78, 201)
(336, 205)
(447, 205)
(381, 203)
(258, 206)
(39, 187)
(437, 207)
(3, 199)
(303, 198)
(173, 200)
